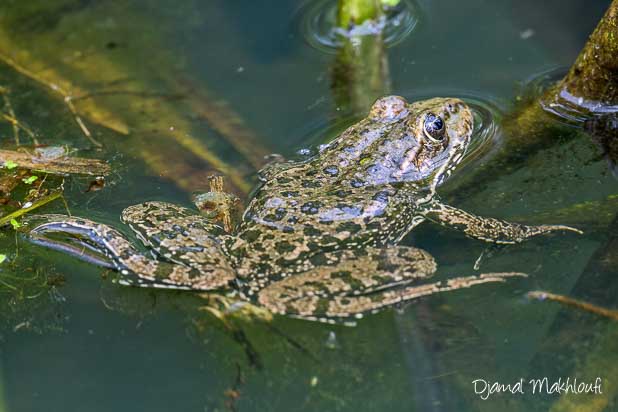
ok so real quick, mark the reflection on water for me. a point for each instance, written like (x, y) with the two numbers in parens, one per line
(171, 89)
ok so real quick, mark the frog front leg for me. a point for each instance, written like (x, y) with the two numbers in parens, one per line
(358, 284)
(486, 228)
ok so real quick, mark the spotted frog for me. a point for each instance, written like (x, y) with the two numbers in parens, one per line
(319, 238)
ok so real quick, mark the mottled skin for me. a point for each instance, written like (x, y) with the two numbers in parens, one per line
(319, 238)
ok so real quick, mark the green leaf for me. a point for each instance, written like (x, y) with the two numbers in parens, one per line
(15, 224)
(2, 257)
(9, 164)
(30, 180)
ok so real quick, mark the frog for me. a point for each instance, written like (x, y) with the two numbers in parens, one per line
(320, 237)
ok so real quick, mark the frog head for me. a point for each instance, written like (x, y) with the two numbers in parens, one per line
(400, 142)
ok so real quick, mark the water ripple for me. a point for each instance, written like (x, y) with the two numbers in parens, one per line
(317, 22)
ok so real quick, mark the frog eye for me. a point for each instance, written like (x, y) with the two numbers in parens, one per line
(433, 127)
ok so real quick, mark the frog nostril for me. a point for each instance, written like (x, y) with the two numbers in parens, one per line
(452, 108)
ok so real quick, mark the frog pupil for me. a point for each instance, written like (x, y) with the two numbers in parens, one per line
(434, 126)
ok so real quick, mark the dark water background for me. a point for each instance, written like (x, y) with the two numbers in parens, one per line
(90, 345)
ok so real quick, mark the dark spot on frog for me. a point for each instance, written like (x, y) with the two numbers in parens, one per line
(289, 194)
(340, 274)
(331, 170)
(311, 208)
(311, 231)
(281, 261)
(318, 260)
(275, 217)
(349, 226)
(259, 247)
(344, 301)
(313, 246)
(251, 235)
(293, 219)
(260, 267)
(329, 241)
(372, 225)
(356, 183)
(381, 196)
(270, 218)
(155, 239)
(384, 265)
(284, 179)
(311, 184)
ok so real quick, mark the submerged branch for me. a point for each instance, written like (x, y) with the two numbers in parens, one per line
(63, 165)
(579, 304)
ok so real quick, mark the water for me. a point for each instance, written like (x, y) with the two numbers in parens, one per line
(91, 345)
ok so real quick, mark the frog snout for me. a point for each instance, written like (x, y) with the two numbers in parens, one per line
(456, 106)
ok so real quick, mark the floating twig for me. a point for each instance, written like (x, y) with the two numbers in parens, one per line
(565, 300)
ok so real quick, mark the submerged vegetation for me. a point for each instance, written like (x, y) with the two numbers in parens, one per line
(106, 85)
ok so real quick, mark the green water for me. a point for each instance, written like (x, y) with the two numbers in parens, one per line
(90, 345)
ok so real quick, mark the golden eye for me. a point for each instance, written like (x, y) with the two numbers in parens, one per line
(433, 126)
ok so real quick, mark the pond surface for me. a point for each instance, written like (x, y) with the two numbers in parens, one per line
(239, 80)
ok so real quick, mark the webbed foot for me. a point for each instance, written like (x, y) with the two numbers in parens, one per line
(486, 228)
(100, 244)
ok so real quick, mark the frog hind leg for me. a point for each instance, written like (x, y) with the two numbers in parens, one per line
(178, 234)
(100, 244)
(353, 286)
(486, 228)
